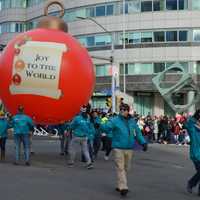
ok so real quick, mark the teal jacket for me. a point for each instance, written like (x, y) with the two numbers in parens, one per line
(4, 126)
(124, 132)
(194, 133)
(22, 124)
(82, 127)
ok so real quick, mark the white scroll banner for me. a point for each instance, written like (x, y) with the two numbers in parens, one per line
(37, 69)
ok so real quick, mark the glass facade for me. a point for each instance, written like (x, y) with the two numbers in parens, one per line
(131, 6)
(135, 38)
(149, 68)
(12, 27)
(5, 4)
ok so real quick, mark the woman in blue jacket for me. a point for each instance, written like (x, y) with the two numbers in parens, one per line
(4, 126)
(124, 132)
(193, 128)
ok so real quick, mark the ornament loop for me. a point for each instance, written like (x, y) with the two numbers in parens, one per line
(62, 12)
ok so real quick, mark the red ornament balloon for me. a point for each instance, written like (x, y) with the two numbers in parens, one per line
(50, 74)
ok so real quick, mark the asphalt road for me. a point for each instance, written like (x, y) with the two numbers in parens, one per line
(159, 174)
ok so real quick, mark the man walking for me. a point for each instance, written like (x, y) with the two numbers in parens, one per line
(22, 125)
(81, 128)
(125, 130)
(193, 128)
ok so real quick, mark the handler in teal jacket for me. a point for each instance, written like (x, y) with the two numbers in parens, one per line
(4, 126)
(82, 130)
(124, 132)
(22, 125)
(193, 128)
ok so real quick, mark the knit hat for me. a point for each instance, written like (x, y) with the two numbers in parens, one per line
(83, 108)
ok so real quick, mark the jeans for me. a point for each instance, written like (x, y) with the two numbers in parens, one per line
(196, 178)
(76, 143)
(24, 138)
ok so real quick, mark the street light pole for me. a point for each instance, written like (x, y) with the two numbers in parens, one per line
(124, 44)
(113, 83)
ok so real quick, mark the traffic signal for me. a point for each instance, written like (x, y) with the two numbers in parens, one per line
(109, 102)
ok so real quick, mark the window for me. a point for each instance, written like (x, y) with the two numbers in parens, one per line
(182, 35)
(146, 37)
(122, 68)
(133, 6)
(109, 9)
(122, 38)
(196, 35)
(90, 12)
(134, 38)
(139, 68)
(144, 68)
(81, 13)
(100, 11)
(197, 67)
(196, 4)
(171, 4)
(102, 70)
(158, 67)
(171, 36)
(159, 36)
(83, 41)
(90, 41)
(146, 6)
(158, 5)
(102, 40)
(70, 16)
(183, 4)
(131, 69)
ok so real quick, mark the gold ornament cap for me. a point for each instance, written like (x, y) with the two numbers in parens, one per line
(52, 22)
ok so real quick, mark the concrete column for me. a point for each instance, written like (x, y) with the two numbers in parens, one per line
(158, 105)
(190, 97)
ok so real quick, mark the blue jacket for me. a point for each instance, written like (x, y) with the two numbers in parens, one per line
(4, 126)
(82, 127)
(194, 133)
(22, 124)
(124, 132)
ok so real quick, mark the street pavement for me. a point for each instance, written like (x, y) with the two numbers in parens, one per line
(159, 174)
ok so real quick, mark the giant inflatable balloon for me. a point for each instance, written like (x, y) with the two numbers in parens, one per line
(48, 72)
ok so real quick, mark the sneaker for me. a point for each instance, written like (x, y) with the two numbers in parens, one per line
(27, 164)
(106, 158)
(117, 189)
(124, 192)
(189, 188)
(198, 193)
(90, 166)
(70, 165)
(15, 163)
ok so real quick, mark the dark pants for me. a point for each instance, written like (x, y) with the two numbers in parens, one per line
(96, 144)
(3, 148)
(3, 144)
(108, 146)
(64, 143)
(196, 178)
